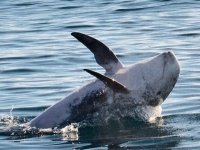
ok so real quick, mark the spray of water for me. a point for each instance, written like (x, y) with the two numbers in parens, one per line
(11, 116)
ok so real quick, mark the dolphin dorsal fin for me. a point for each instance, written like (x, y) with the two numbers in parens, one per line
(111, 83)
(103, 55)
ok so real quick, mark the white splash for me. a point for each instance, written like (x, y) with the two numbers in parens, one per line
(11, 116)
(70, 132)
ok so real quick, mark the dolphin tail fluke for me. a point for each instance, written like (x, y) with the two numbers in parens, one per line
(111, 83)
(103, 55)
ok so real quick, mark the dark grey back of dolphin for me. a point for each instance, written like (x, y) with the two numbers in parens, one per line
(103, 55)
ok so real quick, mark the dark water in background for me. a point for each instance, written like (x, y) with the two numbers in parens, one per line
(40, 63)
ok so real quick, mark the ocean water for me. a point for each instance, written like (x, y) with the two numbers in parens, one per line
(40, 63)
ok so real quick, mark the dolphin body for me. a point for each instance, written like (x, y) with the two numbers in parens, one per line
(123, 91)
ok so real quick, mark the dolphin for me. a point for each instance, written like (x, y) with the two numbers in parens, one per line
(123, 91)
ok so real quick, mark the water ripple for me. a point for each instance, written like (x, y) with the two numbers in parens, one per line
(19, 70)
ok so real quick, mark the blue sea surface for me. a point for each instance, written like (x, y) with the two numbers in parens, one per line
(40, 63)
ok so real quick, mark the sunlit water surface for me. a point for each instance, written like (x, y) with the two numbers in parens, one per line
(40, 63)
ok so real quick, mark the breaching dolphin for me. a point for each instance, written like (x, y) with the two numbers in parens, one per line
(118, 93)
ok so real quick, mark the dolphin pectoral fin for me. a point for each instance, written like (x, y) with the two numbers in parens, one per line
(103, 55)
(111, 83)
